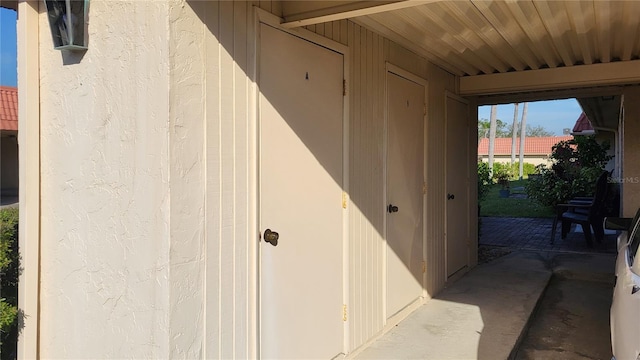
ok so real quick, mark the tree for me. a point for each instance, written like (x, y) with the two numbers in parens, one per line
(514, 133)
(538, 131)
(523, 129)
(492, 136)
(484, 127)
(532, 131)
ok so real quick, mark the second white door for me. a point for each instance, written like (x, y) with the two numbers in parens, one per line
(405, 180)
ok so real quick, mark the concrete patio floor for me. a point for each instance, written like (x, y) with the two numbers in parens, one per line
(486, 313)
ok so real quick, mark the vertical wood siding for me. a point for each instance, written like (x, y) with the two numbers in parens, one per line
(368, 54)
(228, 178)
(212, 86)
(366, 129)
(196, 197)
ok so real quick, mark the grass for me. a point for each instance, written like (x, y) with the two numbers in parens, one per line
(494, 205)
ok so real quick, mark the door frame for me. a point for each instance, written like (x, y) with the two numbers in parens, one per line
(396, 70)
(263, 17)
(458, 274)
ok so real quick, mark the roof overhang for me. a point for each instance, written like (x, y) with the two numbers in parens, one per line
(9, 4)
(501, 47)
(508, 51)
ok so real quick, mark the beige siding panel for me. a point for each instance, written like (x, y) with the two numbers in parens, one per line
(336, 30)
(366, 179)
(216, 83)
(368, 55)
(272, 6)
(228, 177)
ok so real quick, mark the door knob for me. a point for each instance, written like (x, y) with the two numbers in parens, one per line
(271, 237)
(392, 208)
(450, 196)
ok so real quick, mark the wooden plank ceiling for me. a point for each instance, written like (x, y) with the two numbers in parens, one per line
(507, 50)
(475, 37)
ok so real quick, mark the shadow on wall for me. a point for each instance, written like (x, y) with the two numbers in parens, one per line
(366, 193)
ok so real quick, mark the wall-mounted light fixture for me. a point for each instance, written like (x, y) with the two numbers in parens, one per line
(68, 23)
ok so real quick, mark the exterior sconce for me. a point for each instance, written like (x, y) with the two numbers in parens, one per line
(68, 23)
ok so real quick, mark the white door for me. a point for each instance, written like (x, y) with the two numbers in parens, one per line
(457, 173)
(405, 179)
(301, 176)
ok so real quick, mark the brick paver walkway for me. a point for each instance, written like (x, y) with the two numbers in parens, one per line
(535, 234)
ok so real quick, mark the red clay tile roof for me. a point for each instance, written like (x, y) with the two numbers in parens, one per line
(582, 124)
(8, 108)
(532, 145)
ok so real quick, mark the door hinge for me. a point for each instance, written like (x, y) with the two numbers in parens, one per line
(424, 267)
(344, 199)
(344, 87)
(344, 312)
(425, 109)
(424, 187)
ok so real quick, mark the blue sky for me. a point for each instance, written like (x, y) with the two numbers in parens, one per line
(552, 115)
(8, 51)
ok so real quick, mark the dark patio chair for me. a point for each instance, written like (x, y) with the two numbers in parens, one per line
(589, 214)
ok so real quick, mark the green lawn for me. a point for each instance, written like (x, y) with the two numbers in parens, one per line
(494, 205)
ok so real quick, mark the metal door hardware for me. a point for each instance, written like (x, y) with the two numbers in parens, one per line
(271, 237)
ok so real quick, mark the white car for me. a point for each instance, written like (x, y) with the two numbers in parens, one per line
(625, 307)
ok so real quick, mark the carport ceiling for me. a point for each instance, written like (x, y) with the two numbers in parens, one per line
(475, 39)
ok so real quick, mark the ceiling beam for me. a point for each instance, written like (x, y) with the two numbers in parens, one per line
(616, 73)
(346, 11)
(548, 95)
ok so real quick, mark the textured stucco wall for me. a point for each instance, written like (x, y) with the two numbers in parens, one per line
(187, 179)
(105, 171)
(147, 169)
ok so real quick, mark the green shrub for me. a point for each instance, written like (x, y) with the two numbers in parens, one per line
(8, 314)
(576, 165)
(502, 174)
(484, 180)
(513, 170)
(527, 169)
(9, 272)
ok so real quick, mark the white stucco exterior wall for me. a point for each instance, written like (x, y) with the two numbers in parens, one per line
(105, 169)
(187, 182)
(148, 162)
